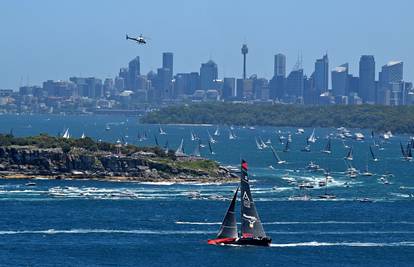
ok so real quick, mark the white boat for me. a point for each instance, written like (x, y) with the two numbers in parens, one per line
(180, 150)
(161, 131)
(210, 138)
(300, 131)
(66, 135)
(359, 136)
(217, 131)
(313, 167)
(278, 160)
(312, 137)
(231, 135)
(83, 136)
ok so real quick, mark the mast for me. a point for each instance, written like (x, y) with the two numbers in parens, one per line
(251, 227)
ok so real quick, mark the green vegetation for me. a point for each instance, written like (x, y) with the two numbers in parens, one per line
(398, 119)
(206, 165)
(87, 144)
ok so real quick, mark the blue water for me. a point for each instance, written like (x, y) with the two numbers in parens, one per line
(95, 223)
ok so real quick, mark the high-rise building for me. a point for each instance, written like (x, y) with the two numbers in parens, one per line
(390, 80)
(134, 69)
(168, 61)
(392, 72)
(366, 88)
(294, 86)
(208, 74)
(340, 83)
(164, 83)
(244, 51)
(321, 74)
(280, 65)
(229, 88)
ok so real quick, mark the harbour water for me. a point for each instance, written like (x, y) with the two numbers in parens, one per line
(97, 223)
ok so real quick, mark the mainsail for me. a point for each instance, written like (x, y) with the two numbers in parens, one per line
(327, 148)
(228, 228)
(349, 156)
(180, 150)
(372, 154)
(251, 227)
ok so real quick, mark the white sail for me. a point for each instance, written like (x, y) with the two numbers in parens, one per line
(211, 139)
(231, 135)
(162, 132)
(217, 131)
(258, 145)
(312, 138)
(180, 151)
(83, 136)
(66, 135)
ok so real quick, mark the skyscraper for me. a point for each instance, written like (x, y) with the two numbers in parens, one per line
(168, 61)
(134, 69)
(208, 74)
(244, 51)
(321, 74)
(366, 88)
(229, 88)
(280, 65)
(390, 80)
(340, 80)
(294, 86)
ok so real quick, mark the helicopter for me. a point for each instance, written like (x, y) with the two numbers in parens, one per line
(140, 39)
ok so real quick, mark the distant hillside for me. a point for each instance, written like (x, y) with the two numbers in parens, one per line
(379, 118)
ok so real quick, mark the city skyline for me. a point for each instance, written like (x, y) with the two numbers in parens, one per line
(42, 43)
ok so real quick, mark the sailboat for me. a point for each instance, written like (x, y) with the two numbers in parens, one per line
(278, 160)
(231, 135)
(161, 131)
(252, 232)
(258, 145)
(180, 150)
(374, 158)
(262, 144)
(193, 136)
(307, 147)
(349, 156)
(286, 149)
(66, 135)
(312, 137)
(83, 136)
(327, 149)
(326, 195)
(217, 131)
(366, 172)
(166, 149)
(210, 138)
(211, 149)
(407, 155)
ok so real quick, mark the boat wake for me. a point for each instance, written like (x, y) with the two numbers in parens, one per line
(344, 244)
(103, 231)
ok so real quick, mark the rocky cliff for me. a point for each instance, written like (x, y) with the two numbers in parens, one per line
(32, 161)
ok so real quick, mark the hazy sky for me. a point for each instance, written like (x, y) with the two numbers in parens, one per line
(50, 39)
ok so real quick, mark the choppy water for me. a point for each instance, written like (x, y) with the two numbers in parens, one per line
(94, 223)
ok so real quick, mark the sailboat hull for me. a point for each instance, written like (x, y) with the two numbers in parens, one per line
(263, 242)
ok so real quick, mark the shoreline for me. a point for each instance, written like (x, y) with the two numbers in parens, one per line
(199, 180)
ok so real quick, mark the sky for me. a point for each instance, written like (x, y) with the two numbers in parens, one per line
(49, 39)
